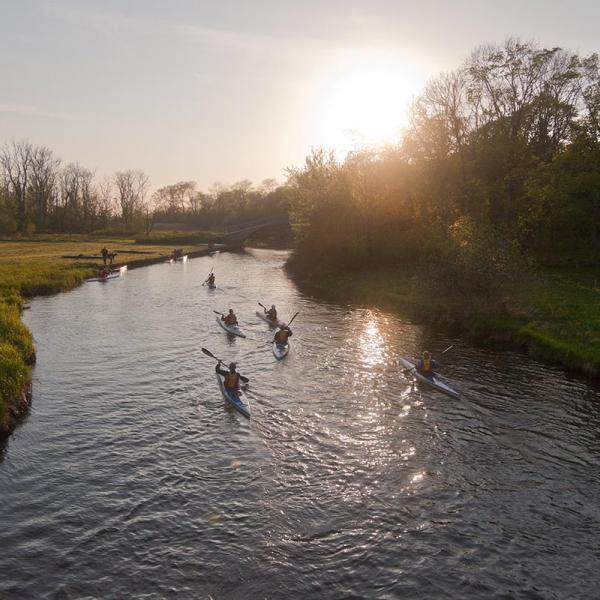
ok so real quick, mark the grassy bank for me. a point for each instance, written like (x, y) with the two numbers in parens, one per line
(36, 266)
(555, 315)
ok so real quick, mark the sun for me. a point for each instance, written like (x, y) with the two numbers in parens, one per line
(365, 102)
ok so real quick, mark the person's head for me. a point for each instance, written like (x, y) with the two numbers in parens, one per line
(283, 326)
(232, 367)
(273, 306)
(426, 355)
(231, 311)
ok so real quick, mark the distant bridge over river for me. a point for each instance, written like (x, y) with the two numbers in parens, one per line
(240, 232)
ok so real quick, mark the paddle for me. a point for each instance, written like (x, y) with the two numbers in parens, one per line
(209, 353)
(206, 280)
(263, 306)
(293, 318)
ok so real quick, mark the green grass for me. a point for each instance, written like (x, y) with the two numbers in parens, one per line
(555, 314)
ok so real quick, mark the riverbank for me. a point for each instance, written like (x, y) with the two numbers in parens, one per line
(555, 316)
(42, 266)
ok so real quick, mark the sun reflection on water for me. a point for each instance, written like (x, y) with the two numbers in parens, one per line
(371, 343)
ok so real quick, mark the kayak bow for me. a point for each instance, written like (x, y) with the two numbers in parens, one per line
(280, 350)
(235, 399)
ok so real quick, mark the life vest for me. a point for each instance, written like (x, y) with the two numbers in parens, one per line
(426, 368)
(230, 320)
(272, 314)
(232, 380)
(281, 337)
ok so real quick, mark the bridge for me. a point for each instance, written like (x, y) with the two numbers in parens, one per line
(238, 233)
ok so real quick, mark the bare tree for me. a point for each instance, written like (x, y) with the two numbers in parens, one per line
(44, 175)
(16, 159)
(132, 187)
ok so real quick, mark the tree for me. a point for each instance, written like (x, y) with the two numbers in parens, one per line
(16, 159)
(44, 175)
(132, 187)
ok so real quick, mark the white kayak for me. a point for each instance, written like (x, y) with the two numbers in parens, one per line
(232, 329)
(280, 350)
(107, 278)
(178, 259)
(435, 381)
(264, 317)
(236, 399)
(115, 274)
(211, 286)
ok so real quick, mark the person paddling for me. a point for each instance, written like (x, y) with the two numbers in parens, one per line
(211, 279)
(104, 272)
(271, 314)
(282, 335)
(230, 319)
(426, 365)
(232, 377)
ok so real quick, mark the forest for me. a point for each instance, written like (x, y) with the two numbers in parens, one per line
(497, 174)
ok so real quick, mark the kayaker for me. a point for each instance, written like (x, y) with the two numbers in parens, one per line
(271, 314)
(426, 365)
(104, 272)
(230, 319)
(211, 279)
(282, 335)
(232, 377)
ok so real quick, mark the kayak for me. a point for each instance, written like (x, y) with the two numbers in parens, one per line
(435, 381)
(232, 329)
(211, 286)
(178, 259)
(236, 399)
(115, 274)
(264, 317)
(280, 350)
(107, 278)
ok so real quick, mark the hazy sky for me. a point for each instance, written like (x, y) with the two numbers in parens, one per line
(229, 90)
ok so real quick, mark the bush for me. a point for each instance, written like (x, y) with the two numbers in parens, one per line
(13, 377)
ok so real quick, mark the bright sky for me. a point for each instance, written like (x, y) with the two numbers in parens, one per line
(241, 89)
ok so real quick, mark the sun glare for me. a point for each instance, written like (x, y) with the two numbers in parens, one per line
(366, 102)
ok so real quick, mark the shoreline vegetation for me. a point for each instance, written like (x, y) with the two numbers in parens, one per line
(36, 266)
(483, 218)
(554, 318)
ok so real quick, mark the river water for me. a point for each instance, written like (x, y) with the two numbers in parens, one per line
(132, 479)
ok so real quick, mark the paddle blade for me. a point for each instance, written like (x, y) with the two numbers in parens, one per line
(446, 350)
(208, 353)
(290, 322)
(217, 312)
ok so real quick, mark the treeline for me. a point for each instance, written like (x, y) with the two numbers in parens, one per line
(500, 166)
(223, 206)
(38, 193)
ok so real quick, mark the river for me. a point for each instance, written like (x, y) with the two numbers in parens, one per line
(132, 479)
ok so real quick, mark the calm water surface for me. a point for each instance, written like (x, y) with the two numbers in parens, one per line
(132, 479)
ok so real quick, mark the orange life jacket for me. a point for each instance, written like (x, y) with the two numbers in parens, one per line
(230, 320)
(232, 380)
(426, 365)
(281, 337)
